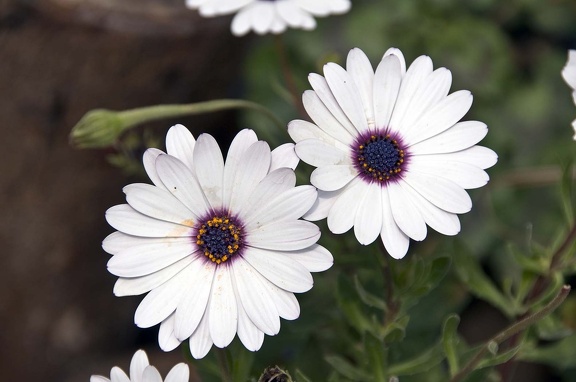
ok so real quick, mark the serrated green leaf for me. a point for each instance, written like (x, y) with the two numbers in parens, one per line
(450, 342)
(368, 298)
(344, 367)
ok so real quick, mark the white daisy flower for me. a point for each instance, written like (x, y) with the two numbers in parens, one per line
(270, 16)
(391, 156)
(141, 371)
(569, 75)
(218, 245)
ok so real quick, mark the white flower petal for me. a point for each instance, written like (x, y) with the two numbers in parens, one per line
(323, 204)
(180, 181)
(166, 338)
(394, 240)
(201, 341)
(415, 75)
(255, 297)
(162, 301)
(117, 375)
(125, 219)
(433, 89)
(442, 193)
(459, 137)
(280, 269)
(325, 120)
(179, 373)
(209, 169)
(180, 144)
(387, 82)
(406, 215)
(325, 95)
(284, 156)
(289, 205)
(315, 258)
(241, 142)
(251, 337)
(149, 162)
(223, 309)
(343, 212)
(441, 117)
(347, 95)
(251, 170)
(155, 255)
(284, 236)
(134, 286)
(479, 156)
(441, 221)
(274, 183)
(318, 154)
(333, 177)
(463, 174)
(138, 363)
(368, 218)
(151, 374)
(569, 70)
(98, 378)
(158, 203)
(361, 72)
(195, 299)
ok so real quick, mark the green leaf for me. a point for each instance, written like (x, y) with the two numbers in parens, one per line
(344, 367)
(566, 190)
(368, 298)
(377, 359)
(450, 342)
(242, 361)
(552, 328)
(561, 355)
(419, 364)
(471, 274)
(395, 331)
(348, 302)
(498, 359)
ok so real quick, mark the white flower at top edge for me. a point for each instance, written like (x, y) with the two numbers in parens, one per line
(270, 16)
(569, 75)
(141, 371)
(218, 245)
(391, 156)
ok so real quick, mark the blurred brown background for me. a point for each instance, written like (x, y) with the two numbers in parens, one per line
(60, 59)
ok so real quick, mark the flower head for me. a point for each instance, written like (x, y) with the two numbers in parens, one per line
(270, 16)
(218, 245)
(391, 156)
(141, 371)
(569, 75)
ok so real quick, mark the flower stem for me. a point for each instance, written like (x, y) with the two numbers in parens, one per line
(223, 361)
(288, 78)
(145, 114)
(512, 330)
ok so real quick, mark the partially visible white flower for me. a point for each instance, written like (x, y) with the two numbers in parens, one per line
(270, 16)
(218, 245)
(569, 75)
(391, 154)
(141, 371)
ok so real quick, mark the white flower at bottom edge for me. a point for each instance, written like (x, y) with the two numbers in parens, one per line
(391, 156)
(141, 371)
(270, 16)
(218, 246)
(569, 75)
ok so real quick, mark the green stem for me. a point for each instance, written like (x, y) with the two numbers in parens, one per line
(512, 330)
(140, 115)
(224, 363)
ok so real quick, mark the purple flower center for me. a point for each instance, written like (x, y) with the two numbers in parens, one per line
(378, 157)
(219, 238)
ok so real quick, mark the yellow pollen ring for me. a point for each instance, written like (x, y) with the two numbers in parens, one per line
(219, 239)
